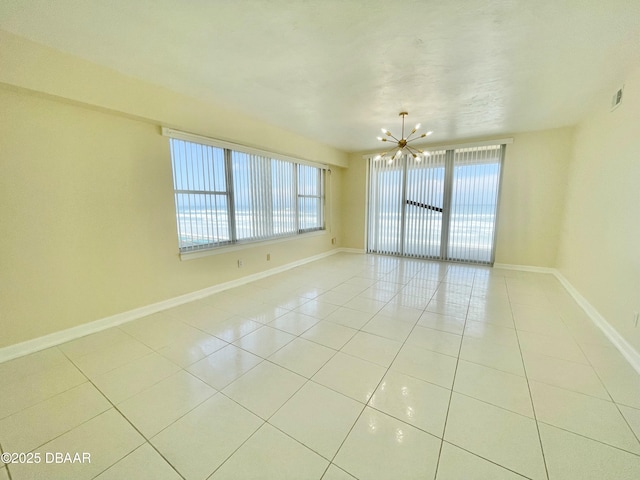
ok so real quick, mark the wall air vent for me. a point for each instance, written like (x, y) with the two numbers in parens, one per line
(617, 98)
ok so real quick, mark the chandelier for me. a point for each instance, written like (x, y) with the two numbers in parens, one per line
(401, 145)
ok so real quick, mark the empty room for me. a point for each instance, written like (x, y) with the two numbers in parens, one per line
(332, 240)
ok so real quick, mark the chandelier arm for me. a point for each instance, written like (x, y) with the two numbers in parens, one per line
(409, 136)
(413, 151)
(402, 143)
(415, 138)
(382, 155)
(418, 152)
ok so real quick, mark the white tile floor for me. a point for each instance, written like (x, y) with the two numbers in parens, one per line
(353, 366)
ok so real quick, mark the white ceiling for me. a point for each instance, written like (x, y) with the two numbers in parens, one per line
(338, 70)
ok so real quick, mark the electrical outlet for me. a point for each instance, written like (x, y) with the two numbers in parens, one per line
(240, 264)
(333, 241)
(268, 257)
(636, 315)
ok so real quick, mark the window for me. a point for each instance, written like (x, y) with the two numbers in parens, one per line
(442, 207)
(310, 198)
(201, 194)
(225, 195)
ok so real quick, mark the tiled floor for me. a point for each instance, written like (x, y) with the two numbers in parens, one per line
(353, 366)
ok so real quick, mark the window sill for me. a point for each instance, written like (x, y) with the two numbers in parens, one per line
(243, 246)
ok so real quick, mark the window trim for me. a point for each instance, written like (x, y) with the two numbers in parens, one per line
(321, 201)
(243, 245)
(455, 146)
(239, 244)
(446, 253)
(212, 142)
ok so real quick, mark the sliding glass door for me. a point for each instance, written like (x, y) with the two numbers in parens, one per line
(442, 207)
(423, 206)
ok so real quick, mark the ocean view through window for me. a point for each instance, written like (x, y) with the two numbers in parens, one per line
(443, 206)
(225, 196)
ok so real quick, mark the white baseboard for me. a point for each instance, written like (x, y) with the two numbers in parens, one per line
(352, 250)
(627, 351)
(57, 338)
(618, 341)
(524, 268)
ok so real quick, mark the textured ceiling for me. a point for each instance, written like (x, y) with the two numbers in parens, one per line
(336, 71)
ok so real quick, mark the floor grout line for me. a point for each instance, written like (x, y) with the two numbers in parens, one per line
(595, 370)
(132, 425)
(5, 465)
(373, 393)
(453, 381)
(376, 273)
(533, 407)
(486, 459)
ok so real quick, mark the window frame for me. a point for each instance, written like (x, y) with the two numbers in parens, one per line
(320, 196)
(446, 251)
(234, 243)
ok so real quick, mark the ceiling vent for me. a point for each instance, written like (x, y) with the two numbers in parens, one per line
(617, 98)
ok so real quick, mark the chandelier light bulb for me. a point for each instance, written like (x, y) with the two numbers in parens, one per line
(402, 144)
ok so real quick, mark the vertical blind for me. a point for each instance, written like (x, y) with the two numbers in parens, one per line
(423, 205)
(310, 195)
(474, 203)
(225, 196)
(201, 194)
(443, 206)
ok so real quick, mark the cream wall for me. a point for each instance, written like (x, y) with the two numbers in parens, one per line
(88, 226)
(600, 241)
(354, 207)
(32, 66)
(533, 191)
(530, 211)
